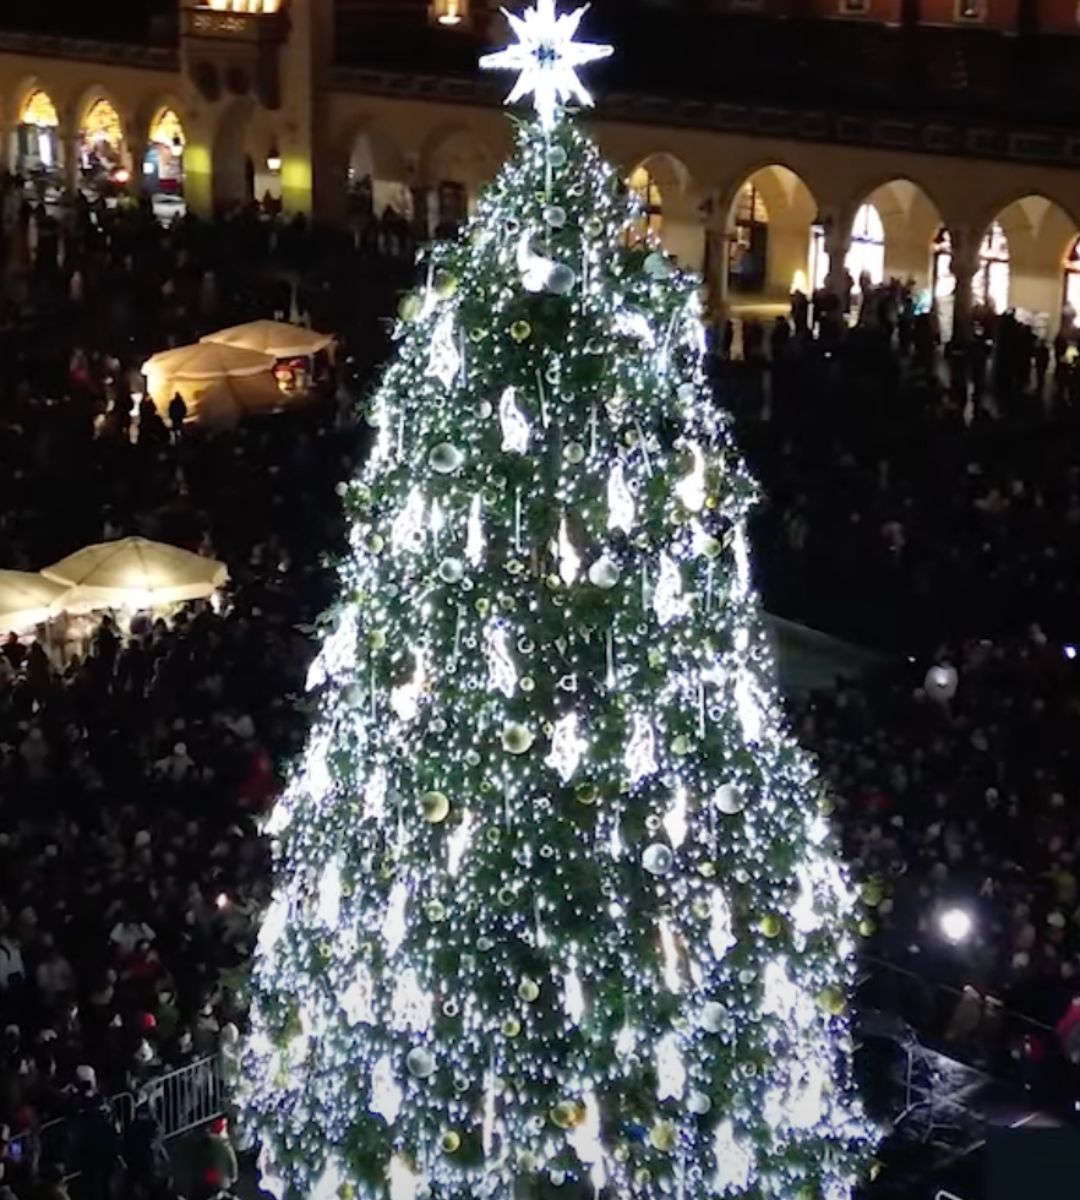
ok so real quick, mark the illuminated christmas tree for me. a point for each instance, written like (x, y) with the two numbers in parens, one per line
(557, 906)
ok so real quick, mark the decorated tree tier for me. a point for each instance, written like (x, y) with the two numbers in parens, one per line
(557, 905)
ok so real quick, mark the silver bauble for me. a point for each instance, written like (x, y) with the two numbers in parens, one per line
(555, 216)
(561, 280)
(420, 1063)
(729, 799)
(657, 265)
(713, 1016)
(604, 573)
(446, 458)
(451, 570)
(658, 859)
(698, 1103)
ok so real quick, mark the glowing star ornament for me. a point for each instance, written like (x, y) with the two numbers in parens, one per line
(670, 1071)
(474, 535)
(547, 57)
(515, 425)
(567, 747)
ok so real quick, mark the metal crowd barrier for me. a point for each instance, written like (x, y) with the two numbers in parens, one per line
(181, 1101)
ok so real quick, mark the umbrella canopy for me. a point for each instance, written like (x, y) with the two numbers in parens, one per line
(134, 573)
(206, 360)
(224, 402)
(272, 337)
(26, 599)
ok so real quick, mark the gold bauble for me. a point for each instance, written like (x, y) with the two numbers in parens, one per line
(655, 658)
(832, 1000)
(643, 1177)
(771, 926)
(529, 991)
(621, 1153)
(712, 547)
(517, 739)
(374, 542)
(702, 909)
(527, 1161)
(436, 806)
(511, 1027)
(446, 285)
(568, 1114)
(867, 927)
(711, 502)
(663, 1136)
(827, 806)
(707, 870)
(680, 745)
(410, 307)
(872, 893)
(346, 1191)
(506, 896)
(451, 1142)
(435, 911)
(587, 793)
(521, 331)
(377, 639)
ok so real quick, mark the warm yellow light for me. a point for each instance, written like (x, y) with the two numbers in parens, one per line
(39, 110)
(449, 12)
(243, 6)
(102, 124)
(799, 284)
(167, 130)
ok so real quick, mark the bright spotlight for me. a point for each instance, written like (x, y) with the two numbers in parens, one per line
(1070, 653)
(956, 925)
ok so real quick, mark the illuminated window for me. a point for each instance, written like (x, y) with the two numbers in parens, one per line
(650, 220)
(1072, 277)
(167, 130)
(748, 250)
(943, 280)
(102, 125)
(449, 13)
(867, 253)
(39, 110)
(970, 10)
(991, 282)
(819, 258)
(243, 6)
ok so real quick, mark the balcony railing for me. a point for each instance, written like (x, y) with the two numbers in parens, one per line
(121, 54)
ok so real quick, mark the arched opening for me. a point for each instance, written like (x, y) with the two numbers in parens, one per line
(457, 165)
(748, 249)
(37, 150)
(909, 223)
(865, 261)
(1072, 279)
(769, 230)
(375, 179)
(101, 147)
(163, 164)
(668, 209)
(650, 221)
(1022, 259)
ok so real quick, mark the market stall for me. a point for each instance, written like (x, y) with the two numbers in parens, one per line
(293, 348)
(200, 372)
(26, 600)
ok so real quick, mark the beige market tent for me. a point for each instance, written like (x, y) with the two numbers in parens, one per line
(134, 573)
(276, 338)
(26, 599)
(223, 402)
(234, 380)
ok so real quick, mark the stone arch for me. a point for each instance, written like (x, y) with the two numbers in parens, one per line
(374, 171)
(233, 167)
(911, 220)
(101, 132)
(785, 252)
(1039, 234)
(454, 165)
(665, 186)
(36, 144)
(162, 149)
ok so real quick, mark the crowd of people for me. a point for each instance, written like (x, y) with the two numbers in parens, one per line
(925, 500)
(134, 769)
(920, 498)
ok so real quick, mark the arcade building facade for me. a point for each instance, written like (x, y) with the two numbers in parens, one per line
(339, 106)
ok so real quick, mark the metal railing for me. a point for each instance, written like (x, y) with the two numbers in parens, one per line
(946, 1196)
(181, 1101)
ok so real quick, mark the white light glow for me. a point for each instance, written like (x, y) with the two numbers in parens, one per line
(670, 1069)
(357, 999)
(573, 997)
(394, 923)
(734, 1161)
(675, 820)
(535, 269)
(670, 953)
(407, 531)
(691, 489)
(405, 699)
(956, 925)
(546, 58)
(569, 559)
(329, 907)
(668, 601)
(641, 750)
(567, 747)
(457, 843)
(386, 1095)
(445, 358)
(721, 930)
(620, 501)
(412, 1006)
(474, 538)
(502, 673)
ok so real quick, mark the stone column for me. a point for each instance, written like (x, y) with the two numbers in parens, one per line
(837, 245)
(716, 270)
(69, 152)
(965, 262)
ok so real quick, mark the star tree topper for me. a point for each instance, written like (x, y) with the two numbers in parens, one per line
(547, 58)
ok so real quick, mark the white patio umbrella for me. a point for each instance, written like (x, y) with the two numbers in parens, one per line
(277, 338)
(134, 573)
(206, 360)
(26, 599)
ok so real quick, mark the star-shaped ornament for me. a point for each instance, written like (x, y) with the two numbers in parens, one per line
(547, 58)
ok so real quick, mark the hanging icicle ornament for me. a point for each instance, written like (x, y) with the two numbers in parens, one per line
(620, 501)
(569, 559)
(567, 747)
(515, 425)
(502, 672)
(444, 361)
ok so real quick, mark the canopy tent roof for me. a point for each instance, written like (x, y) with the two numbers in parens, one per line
(26, 599)
(206, 360)
(134, 573)
(276, 338)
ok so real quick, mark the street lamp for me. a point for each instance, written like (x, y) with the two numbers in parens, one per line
(956, 925)
(449, 12)
(273, 160)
